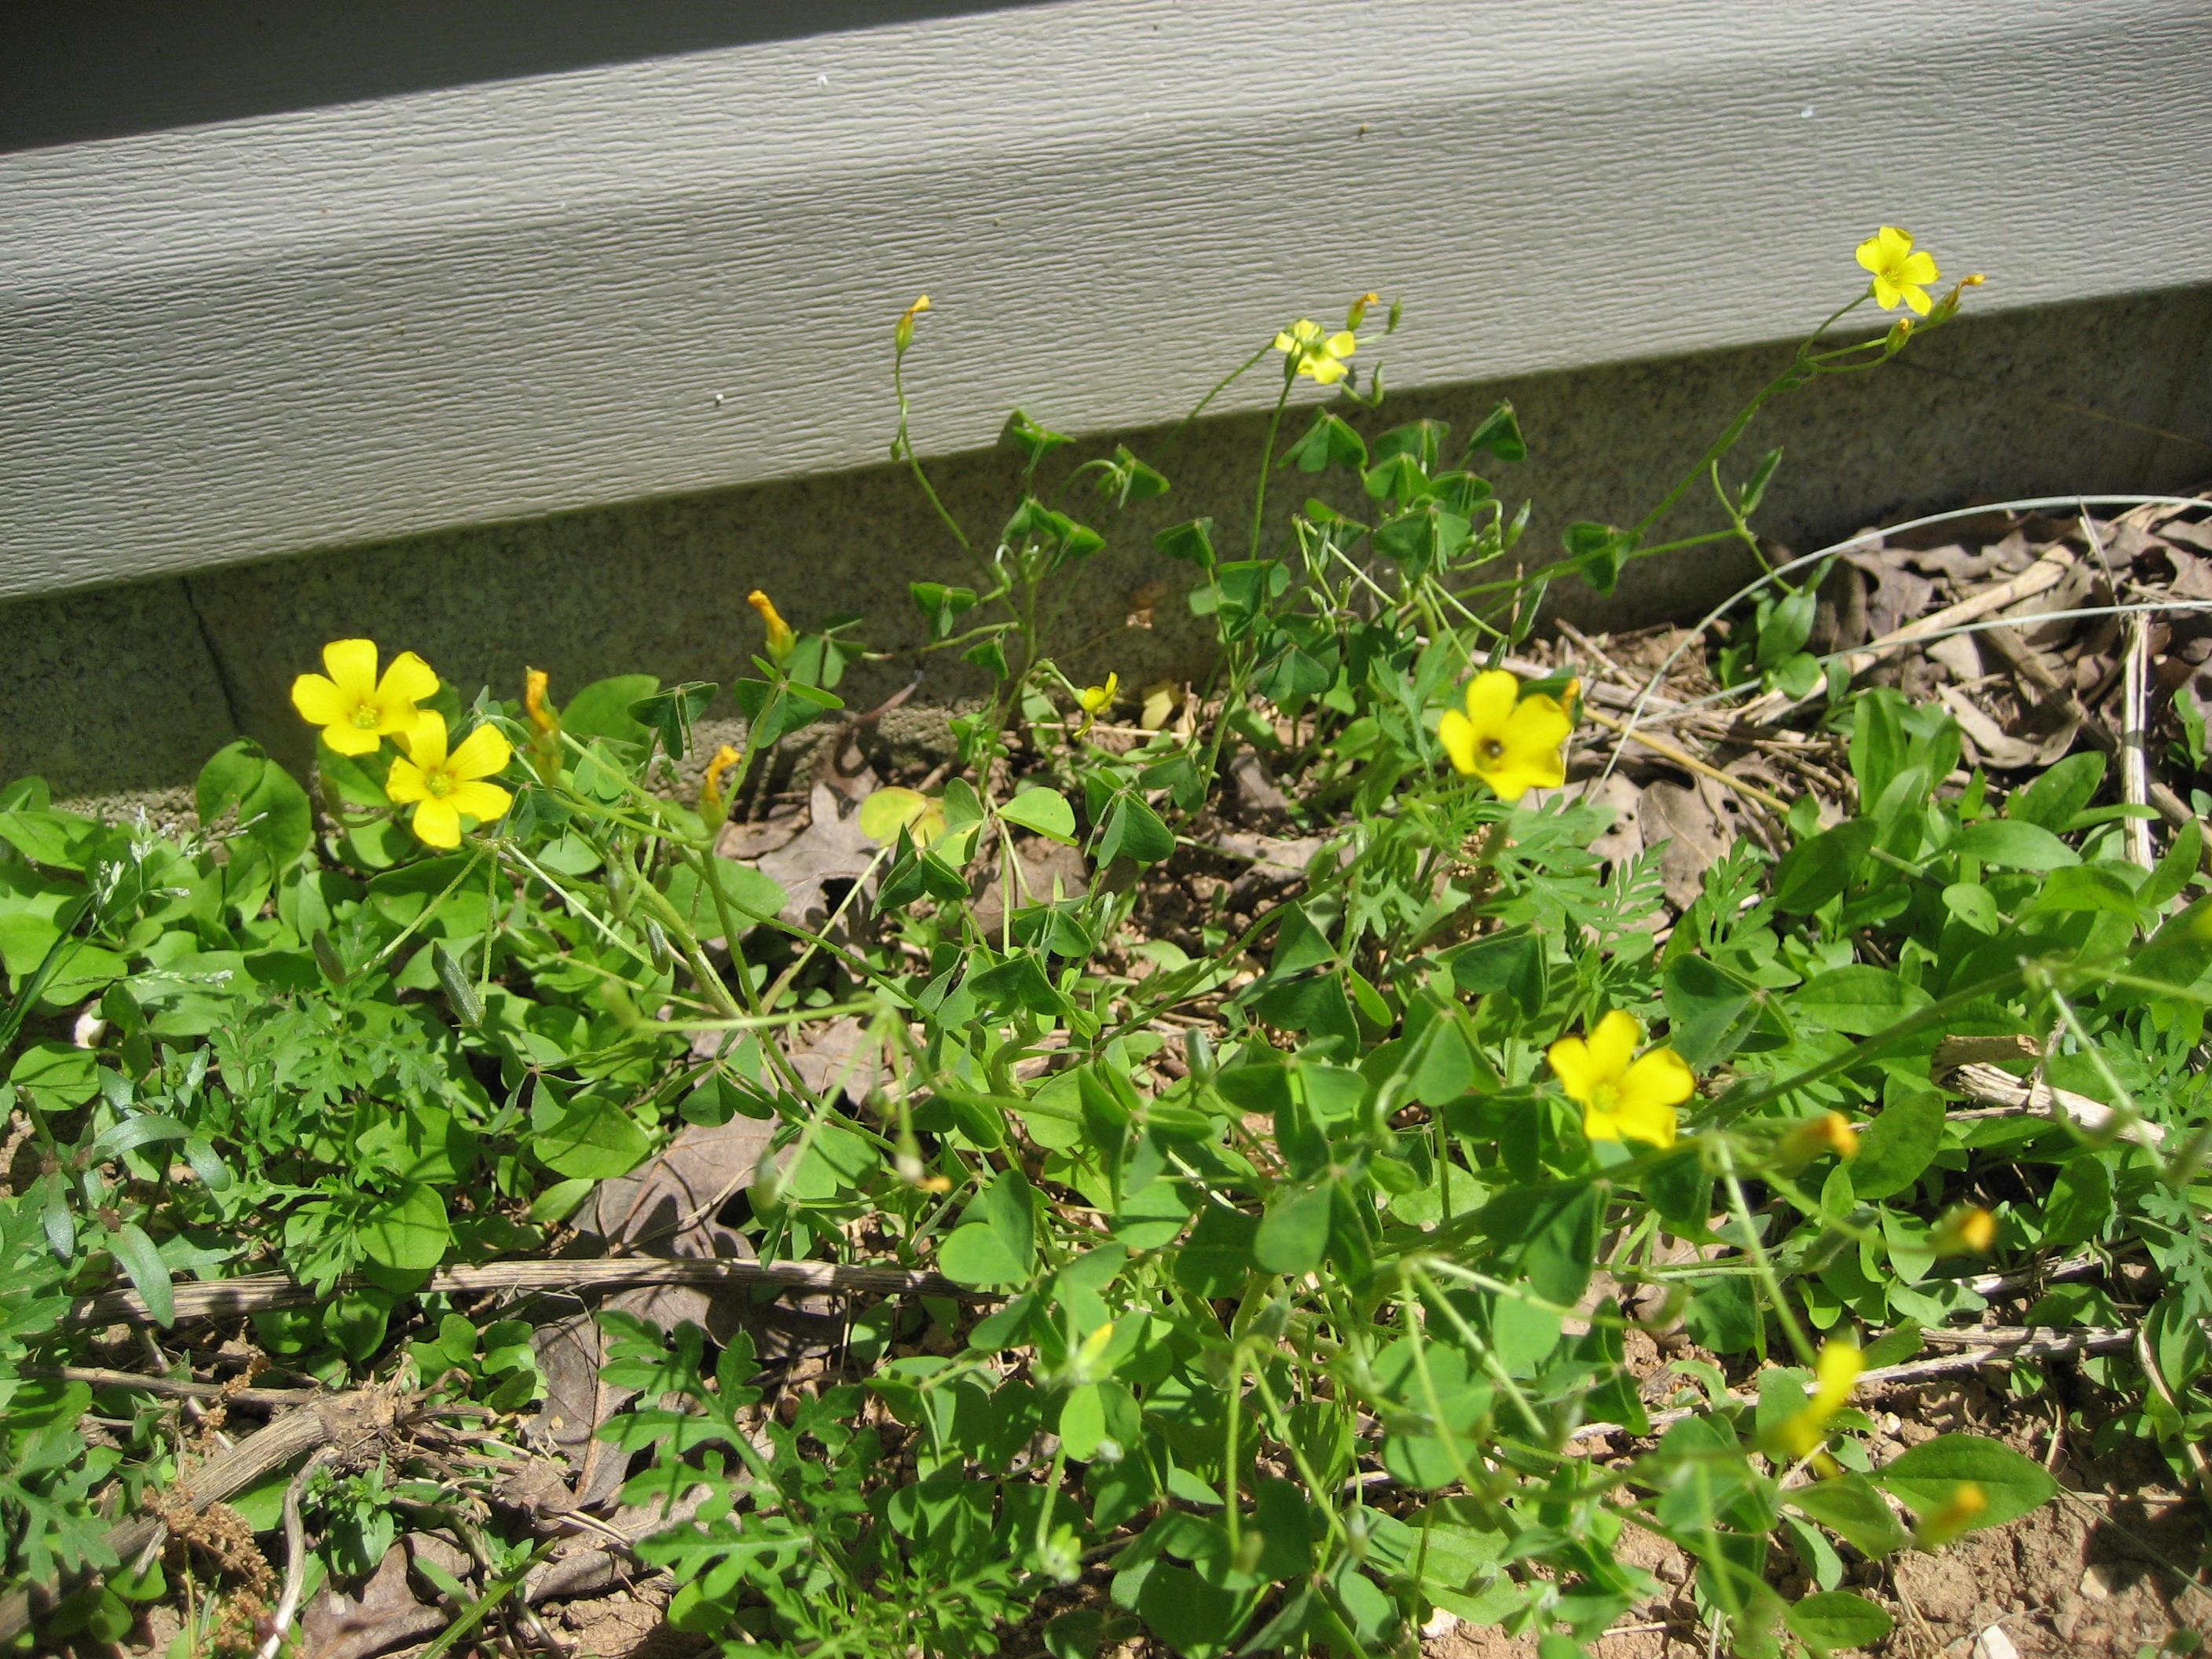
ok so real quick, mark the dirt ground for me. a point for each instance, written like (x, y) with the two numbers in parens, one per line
(2098, 1573)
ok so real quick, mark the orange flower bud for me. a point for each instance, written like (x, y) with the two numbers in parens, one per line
(780, 639)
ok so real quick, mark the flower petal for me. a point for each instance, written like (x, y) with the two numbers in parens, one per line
(482, 753)
(348, 738)
(1490, 698)
(1326, 370)
(1572, 1065)
(405, 782)
(1456, 732)
(319, 701)
(1662, 1077)
(1600, 1124)
(1344, 344)
(425, 740)
(484, 802)
(1641, 1121)
(1613, 1041)
(437, 823)
(1917, 298)
(1918, 268)
(352, 664)
(1886, 293)
(409, 679)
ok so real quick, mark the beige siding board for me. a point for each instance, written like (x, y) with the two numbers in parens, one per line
(492, 302)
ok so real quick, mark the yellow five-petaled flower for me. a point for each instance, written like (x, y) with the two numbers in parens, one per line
(1899, 272)
(1318, 355)
(1508, 741)
(355, 709)
(445, 785)
(1623, 1098)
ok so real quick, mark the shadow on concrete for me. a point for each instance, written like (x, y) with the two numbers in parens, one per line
(80, 70)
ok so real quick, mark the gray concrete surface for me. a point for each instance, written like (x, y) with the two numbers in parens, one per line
(122, 690)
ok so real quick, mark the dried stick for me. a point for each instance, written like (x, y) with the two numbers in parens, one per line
(339, 1418)
(253, 1292)
(2018, 1342)
(2011, 1096)
(1661, 746)
(170, 1387)
(295, 1555)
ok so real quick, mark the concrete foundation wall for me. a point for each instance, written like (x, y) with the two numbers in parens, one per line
(127, 688)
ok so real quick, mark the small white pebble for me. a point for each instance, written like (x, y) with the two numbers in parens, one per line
(1994, 1644)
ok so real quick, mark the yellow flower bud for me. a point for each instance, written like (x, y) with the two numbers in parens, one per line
(780, 640)
(710, 791)
(1357, 314)
(1831, 1132)
(902, 335)
(1801, 1432)
(534, 683)
(1969, 1231)
(1967, 1506)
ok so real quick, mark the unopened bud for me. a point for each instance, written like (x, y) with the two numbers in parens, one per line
(902, 335)
(1967, 1506)
(545, 726)
(1969, 1231)
(1357, 314)
(711, 805)
(1831, 1132)
(780, 639)
(534, 683)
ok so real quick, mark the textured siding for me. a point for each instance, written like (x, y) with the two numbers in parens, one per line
(369, 320)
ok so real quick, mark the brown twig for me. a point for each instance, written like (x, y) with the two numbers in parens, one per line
(253, 1292)
(2007, 1096)
(2017, 1342)
(337, 1419)
(1662, 747)
(170, 1387)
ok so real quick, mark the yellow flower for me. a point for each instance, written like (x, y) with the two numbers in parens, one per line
(1511, 742)
(355, 709)
(710, 791)
(1801, 1432)
(1622, 1097)
(1969, 1230)
(446, 785)
(780, 639)
(1097, 699)
(1898, 271)
(1320, 357)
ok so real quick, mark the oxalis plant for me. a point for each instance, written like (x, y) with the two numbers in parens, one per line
(1268, 1296)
